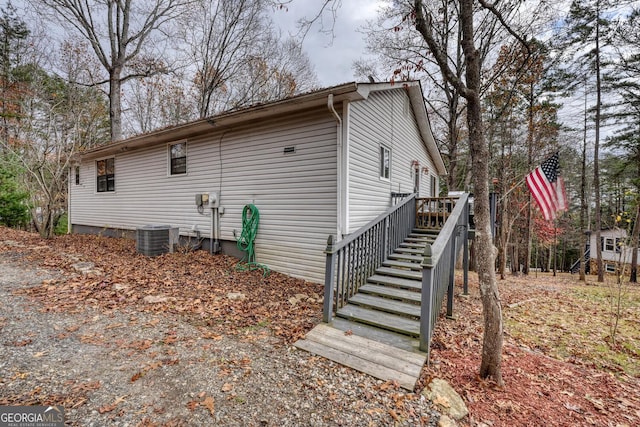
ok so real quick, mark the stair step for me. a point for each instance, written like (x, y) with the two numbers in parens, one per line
(389, 292)
(406, 257)
(414, 251)
(403, 265)
(414, 245)
(372, 357)
(419, 239)
(382, 320)
(397, 282)
(386, 305)
(395, 272)
(424, 235)
(425, 232)
(394, 339)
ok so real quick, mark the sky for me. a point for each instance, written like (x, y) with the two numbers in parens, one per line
(332, 57)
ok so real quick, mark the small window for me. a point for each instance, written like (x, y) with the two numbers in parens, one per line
(610, 268)
(178, 158)
(385, 162)
(433, 185)
(609, 245)
(77, 175)
(105, 171)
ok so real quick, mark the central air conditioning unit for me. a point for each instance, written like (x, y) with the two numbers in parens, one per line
(154, 240)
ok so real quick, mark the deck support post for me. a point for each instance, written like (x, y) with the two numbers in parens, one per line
(465, 253)
(452, 274)
(426, 306)
(329, 274)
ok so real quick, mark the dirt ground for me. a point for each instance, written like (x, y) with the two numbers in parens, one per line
(180, 340)
(185, 339)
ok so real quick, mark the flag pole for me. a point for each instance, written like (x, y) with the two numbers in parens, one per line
(516, 185)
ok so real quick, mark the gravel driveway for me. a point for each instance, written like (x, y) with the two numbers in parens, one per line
(126, 367)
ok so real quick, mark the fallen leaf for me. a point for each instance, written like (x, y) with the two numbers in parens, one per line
(209, 404)
(227, 387)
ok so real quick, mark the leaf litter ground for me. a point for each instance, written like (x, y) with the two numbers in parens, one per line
(555, 366)
(177, 340)
(558, 366)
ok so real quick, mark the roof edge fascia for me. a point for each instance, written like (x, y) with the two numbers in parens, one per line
(344, 92)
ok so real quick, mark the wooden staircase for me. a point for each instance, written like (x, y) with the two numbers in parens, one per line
(376, 331)
(390, 300)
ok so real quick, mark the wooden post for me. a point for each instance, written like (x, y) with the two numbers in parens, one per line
(465, 253)
(329, 273)
(426, 308)
(452, 273)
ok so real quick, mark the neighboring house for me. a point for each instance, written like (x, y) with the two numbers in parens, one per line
(318, 164)
(613, 243)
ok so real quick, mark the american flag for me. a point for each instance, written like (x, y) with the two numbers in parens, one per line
(547, 188)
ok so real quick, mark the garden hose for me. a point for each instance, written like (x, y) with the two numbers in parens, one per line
(246, 242)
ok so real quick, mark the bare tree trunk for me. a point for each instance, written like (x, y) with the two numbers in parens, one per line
(583, 195)
(596, 149)
(529, 228)
(635, 234)
(115, 104)
(491, 365)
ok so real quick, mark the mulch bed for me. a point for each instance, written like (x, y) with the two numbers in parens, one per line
(538, 390)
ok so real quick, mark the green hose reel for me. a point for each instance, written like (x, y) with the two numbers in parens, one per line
(246, 242)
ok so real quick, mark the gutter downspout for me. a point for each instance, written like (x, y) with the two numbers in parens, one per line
(339, 178)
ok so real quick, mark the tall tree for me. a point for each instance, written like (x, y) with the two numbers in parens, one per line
(469, 88)
(626, 112)
(121, 34)
(221, 36)
(238, 57)
(582, 42)
(13, 37)
(58, 120)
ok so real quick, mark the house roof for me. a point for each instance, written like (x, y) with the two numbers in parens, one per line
(345, 92)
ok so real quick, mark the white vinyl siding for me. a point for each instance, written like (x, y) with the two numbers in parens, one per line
(295, 192)
(613, 246)
(384, 119)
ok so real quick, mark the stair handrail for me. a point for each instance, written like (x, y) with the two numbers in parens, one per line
(438, 267)
(345, 271)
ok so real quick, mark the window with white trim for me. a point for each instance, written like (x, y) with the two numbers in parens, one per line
(609, 244)
(178, 158)
(610, 268)
(105, 175)
(385, 162)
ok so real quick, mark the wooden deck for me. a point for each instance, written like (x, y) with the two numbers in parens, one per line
(374, 358)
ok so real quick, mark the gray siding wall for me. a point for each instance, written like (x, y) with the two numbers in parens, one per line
(295, 193)
(385, 118)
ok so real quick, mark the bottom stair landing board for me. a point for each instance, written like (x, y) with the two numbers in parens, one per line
(371, 357)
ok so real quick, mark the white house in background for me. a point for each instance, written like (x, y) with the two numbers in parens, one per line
(613, 243)
(316, 164)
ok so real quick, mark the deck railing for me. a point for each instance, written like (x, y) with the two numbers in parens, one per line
(433, 212)
(351, 261)
(438, 266)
